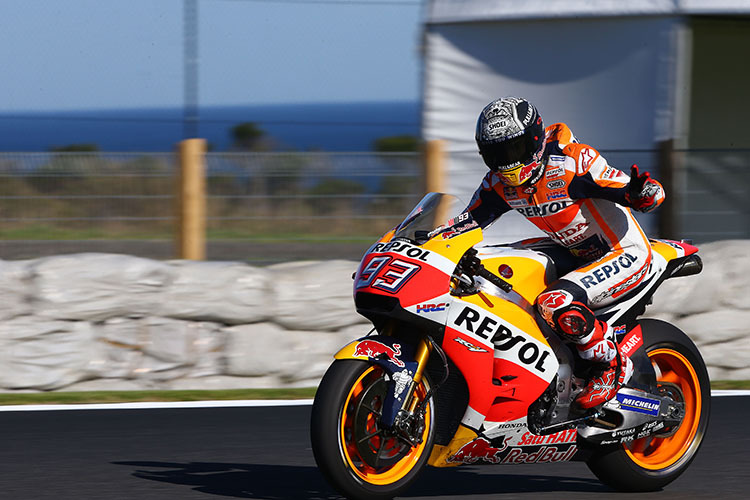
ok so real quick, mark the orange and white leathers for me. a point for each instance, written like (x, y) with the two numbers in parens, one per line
(582, 204)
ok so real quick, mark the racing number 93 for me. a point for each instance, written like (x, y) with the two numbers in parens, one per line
(386, 273)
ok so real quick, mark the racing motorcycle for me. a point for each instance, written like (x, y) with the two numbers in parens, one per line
(459, 369)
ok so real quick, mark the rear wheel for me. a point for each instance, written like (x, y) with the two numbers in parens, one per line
(652, 462)
(359, 457)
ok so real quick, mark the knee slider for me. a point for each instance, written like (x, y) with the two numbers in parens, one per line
(563, 307)
(574, 321)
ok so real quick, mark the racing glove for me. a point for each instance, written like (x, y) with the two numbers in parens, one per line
(643, 191)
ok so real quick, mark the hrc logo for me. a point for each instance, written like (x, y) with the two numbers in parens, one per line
(425, 308)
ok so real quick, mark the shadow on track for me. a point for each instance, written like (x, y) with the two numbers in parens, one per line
(289, 481)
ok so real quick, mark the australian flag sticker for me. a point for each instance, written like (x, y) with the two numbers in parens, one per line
(638, 404)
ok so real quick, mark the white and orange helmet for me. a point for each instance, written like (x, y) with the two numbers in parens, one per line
(510, 136)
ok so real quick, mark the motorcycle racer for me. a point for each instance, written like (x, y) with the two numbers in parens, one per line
(568, 190)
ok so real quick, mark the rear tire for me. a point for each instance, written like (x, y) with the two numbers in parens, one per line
(352, 452)
(651, 463)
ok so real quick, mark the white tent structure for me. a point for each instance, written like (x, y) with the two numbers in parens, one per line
(632, 79)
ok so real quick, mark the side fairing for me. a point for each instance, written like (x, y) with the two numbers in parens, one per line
(502, 354)
(435, 309)
(528, 271)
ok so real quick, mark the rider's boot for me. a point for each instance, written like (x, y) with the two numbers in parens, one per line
(600, 347)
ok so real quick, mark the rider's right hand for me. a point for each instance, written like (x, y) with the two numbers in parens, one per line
(436, 231)
(642, 191)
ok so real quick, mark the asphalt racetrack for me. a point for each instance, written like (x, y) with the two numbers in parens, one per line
(212, 453)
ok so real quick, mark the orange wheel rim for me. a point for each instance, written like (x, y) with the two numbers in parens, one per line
(653, 452)
(348, 436)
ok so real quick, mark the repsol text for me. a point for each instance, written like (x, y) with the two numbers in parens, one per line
(481, 325)
(401, 247)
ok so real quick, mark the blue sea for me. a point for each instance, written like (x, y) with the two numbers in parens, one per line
(294, 127)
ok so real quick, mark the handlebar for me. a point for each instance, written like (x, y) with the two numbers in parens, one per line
(494, 279)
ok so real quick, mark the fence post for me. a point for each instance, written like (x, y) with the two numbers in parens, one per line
(669, 224)
(434, 166)
(191, 200)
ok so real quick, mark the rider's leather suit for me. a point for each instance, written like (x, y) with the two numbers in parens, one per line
(583, 205)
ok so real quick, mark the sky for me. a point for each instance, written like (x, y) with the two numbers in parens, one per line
(66, 55)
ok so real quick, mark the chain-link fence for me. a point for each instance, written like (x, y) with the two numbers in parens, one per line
(271, 207)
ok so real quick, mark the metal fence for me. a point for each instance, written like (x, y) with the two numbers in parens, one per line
(270, 207)
(262, 207)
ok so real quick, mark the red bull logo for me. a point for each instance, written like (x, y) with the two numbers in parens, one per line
(375, 349)
(477, 450)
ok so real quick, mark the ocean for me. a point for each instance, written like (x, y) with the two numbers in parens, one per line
(289, 127)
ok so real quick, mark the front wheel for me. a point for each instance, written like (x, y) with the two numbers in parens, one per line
(354, 452)
(652, 462)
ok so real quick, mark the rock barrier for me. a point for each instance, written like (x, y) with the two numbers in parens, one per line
(117, 322)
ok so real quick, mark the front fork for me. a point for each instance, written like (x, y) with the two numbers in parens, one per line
(404, 364)
(424, 348)
(409, 421)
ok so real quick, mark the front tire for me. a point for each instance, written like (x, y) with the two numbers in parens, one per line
(651, 463)
(358, 457)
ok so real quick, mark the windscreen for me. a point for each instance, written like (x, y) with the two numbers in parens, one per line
(433, 211)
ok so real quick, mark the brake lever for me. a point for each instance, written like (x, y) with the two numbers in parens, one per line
(471, 263)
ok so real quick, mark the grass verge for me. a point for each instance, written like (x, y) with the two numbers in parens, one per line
(730, 384)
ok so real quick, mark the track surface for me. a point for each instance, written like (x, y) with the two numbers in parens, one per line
(265, 453)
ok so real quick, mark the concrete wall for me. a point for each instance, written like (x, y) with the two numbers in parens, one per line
(116, 322)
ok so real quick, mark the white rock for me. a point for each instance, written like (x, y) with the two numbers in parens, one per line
(723, 283)
(44, 354)
(95, 286)
(730, 261)
(257, 350)
(718, 326)
(311, 356)
(123, 332)
(687, 295)
(226, 292)
(730, 355)
(739, 374)
(717, 373)
(156, 347)
(314, 295)
(354, 332)
(222, 382)
(15, 289)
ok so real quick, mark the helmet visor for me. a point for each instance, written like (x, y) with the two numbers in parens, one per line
(508, 154)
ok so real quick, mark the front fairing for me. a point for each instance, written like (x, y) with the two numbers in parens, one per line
(412, 270)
